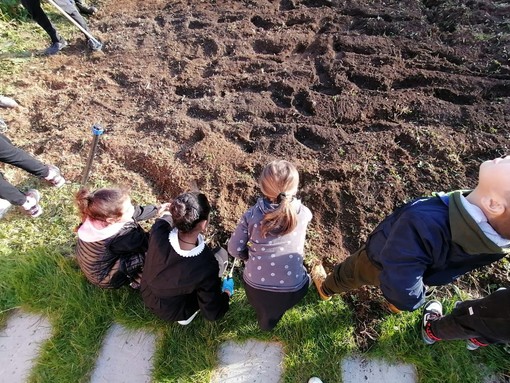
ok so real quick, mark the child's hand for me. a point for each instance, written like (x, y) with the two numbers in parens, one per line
(228, 286)
(164, 208)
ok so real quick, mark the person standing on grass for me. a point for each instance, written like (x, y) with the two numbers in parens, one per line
(10, 195)
(111, 243)
(39, 16)
(480, 321)
(430, 242)
(181, 275)
(270, 239)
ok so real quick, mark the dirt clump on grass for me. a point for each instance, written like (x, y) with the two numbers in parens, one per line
(376, 103)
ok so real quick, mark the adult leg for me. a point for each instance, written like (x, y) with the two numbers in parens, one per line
(13, 155)
(34, 9)
(356, 271)
(485, 320)
(69, 7)
(270, 305)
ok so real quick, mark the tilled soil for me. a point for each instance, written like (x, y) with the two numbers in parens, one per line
(375, 102)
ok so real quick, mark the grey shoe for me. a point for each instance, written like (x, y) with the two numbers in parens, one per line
(95, 45)
(54, 48)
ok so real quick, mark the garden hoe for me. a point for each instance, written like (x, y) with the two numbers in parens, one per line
(95, 44)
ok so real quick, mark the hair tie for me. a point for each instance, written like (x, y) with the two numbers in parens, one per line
(280, 197)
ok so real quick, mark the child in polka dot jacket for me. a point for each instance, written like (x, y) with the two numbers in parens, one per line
(270, 238)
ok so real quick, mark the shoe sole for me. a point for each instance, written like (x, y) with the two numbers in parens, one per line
(188, 321)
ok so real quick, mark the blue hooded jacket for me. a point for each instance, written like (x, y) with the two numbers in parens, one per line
(430, 241)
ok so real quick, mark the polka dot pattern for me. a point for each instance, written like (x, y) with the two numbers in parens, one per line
(274, 261)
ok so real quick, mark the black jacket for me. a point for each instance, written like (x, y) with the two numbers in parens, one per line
(174, 287)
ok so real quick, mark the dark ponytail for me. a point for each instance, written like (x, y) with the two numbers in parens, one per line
(188, 209)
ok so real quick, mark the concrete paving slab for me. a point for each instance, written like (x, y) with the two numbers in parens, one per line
(357, 369)
(125, 357)
(249, 362)
(20, 342)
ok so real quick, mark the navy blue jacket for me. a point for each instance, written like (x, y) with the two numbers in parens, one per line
(430, 241)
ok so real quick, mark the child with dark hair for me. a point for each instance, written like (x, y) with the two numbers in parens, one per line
(270, 238)
(480, 321)
(111, 243)
(181, 275)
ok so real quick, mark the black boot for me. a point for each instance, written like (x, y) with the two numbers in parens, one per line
(83, 8)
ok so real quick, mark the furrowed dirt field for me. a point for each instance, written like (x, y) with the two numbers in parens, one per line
(375, 102)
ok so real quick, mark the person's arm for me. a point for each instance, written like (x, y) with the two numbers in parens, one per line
(409, 250)
(238, 243)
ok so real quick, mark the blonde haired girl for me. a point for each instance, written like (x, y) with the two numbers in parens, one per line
(270, 238)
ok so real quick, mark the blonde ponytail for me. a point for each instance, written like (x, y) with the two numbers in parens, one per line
(279, 182)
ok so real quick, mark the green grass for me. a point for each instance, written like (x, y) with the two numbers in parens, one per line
(38, 274)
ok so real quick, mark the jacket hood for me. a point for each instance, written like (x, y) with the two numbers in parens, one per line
(267, 207)
(466, 232)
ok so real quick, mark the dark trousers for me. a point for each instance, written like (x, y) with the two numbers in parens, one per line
(36, 12)
(12, 155)
(270, 305)
(487, 320)
(356, 271)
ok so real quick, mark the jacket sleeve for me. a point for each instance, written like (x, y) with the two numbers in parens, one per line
(238, 243)
(407, 253)
(145, 212)
(212, 301)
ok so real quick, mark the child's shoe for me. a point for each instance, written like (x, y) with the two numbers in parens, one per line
(188, 321)
(433, 310)
(318, 277)
(471, 346)
(54, 177)
(314, 379)
(31, 205)
(4, 207)
(474, 344)
(391, 307)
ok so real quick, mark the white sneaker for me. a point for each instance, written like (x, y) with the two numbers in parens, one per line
(314, 379)
(188, 321)
(31, 206)
(54, 177)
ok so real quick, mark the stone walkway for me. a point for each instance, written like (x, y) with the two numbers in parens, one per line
(126, 357)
